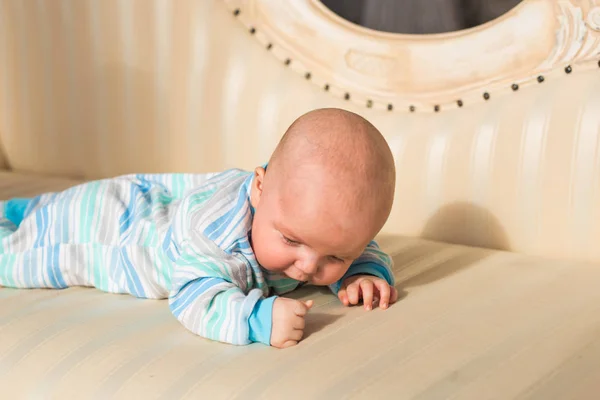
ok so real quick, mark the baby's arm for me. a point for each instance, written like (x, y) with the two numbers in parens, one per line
(216, 308)
(206, 299)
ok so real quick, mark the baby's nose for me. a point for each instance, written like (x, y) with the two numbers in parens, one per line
(309, 265)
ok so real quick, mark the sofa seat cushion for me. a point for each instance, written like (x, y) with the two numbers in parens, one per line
(471, 323)
(16, 184)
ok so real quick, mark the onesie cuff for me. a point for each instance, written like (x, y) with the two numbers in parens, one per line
(261, 320)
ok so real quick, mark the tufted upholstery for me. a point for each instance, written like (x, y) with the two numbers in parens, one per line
(96, 89)
(92, 89)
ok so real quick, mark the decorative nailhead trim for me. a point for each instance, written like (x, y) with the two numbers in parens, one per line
(369, 103)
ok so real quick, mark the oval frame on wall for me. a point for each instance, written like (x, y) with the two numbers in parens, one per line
(424, 73)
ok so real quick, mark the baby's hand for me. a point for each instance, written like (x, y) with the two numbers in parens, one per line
(369, 288)
(288, 321)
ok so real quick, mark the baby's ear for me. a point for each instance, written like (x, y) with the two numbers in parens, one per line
(257, 186)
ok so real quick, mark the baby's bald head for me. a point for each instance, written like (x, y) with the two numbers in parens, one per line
(353, 158)
(329, 184)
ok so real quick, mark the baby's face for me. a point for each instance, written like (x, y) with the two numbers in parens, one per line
(307, 236)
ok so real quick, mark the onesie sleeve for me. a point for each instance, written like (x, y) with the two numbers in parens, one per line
(214, 293)
(373, 261)
(207, 297)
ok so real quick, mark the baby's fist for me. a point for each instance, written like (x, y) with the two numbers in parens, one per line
(370, 289)
(288, 321)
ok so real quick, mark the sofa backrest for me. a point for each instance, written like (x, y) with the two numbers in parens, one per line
(495, 130)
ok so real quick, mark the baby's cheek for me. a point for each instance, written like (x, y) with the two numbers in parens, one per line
(273, 257)
(331, 274)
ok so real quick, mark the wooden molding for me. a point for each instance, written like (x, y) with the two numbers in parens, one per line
(418, 72)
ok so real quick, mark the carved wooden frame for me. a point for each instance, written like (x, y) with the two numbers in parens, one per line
(425, 72)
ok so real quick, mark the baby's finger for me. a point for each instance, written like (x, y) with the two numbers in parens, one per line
(297, 334)
(300, 309)
(298, 323)
(394, 295)
(352, 291)
(366, 287)
(384, 293)
(343, 296)
(289, 343)
(309, 304)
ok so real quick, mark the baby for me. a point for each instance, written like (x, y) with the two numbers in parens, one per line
(223, 247)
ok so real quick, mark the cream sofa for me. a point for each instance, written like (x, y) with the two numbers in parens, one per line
(495, 232)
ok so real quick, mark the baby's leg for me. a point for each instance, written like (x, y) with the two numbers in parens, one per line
(7, 227)
(12, 213)
(51, 241)
(23, 262)
(14, 210)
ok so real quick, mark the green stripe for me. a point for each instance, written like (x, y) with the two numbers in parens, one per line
(88, 202)
(97, 215)
(221, 302)
(178, 185)
(7, 265)
(100, 268)
(165, 267)
(150, 235)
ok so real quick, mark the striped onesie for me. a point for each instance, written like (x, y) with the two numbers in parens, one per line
(181, 237)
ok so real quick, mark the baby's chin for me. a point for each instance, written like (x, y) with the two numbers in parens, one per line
(285, 272)
(289, 272)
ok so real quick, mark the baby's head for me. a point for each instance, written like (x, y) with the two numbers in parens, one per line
(327, 191)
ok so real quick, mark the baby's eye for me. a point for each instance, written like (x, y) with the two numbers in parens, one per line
(336, 259)
(290, 241)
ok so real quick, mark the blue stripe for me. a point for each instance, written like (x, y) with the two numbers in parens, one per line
(171, 251)
(41, 219)
(238, 229)
(125, 219)
(216, 228)
(242, 244)
(191, 291)
(32, 205)
(56, 277)
(144, 184)
(213, 226)
(133, 281)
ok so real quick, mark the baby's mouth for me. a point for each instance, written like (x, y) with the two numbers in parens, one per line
(299, 276)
